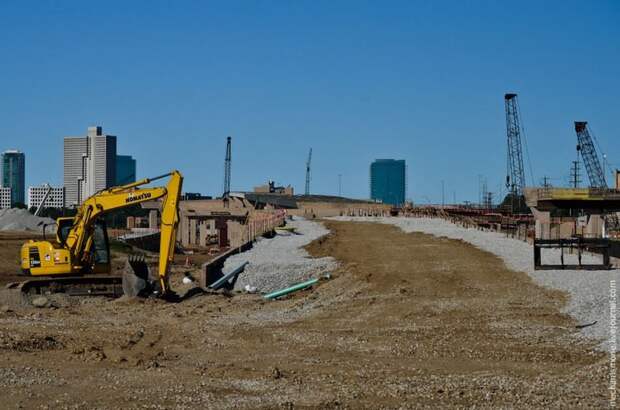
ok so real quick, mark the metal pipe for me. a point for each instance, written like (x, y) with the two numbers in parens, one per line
(291, 289)
(221, 281)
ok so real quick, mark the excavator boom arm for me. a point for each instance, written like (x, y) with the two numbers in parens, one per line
(79, 238)
(169, 224)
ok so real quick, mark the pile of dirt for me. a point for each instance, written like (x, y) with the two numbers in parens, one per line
(15, 219)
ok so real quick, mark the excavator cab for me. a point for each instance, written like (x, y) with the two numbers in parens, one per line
(100, 246)
(49, 258)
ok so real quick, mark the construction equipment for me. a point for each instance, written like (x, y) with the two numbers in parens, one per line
(47, 193)
(307, 191)
(585, 146)
(227, 164)
(515, 178)
(81, 252)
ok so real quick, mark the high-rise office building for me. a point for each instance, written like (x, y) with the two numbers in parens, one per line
(54, 196)
(13, 171)
(74, 160)
(125, 169)
(388, 181)
(89, 165)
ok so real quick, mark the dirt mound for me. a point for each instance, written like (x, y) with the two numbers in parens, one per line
(15, 219)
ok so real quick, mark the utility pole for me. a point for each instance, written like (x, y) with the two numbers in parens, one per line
(443, 194)
(479, 190)
(488, 200)
(340, 185)
(485, 194)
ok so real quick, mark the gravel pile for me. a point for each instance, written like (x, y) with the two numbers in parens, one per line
(280, 261)
(15, 219)
(589, 290)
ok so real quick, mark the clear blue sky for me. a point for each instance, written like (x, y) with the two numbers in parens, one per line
(356, 80)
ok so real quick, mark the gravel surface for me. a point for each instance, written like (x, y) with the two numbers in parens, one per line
(15, 219)
(589, 290)
(281, 261)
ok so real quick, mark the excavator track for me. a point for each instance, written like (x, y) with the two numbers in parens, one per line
(95, 285)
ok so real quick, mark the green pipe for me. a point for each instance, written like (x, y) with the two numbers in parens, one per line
(291, 289)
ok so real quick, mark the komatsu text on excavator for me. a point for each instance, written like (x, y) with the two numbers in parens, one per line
(79, 259)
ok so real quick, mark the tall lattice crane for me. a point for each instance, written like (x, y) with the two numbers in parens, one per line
(585, 146)
(227, 162)
(515, 176)
(307, 191)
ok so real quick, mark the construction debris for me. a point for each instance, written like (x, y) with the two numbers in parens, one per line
(293, 288)
(40, 302)
(229, 277)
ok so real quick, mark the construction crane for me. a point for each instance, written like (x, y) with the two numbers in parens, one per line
(585, 146)
(47, 193)
(227, 162)
(515, 176)
(307, 191)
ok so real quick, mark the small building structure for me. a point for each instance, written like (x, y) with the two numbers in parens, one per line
(271, 188)
(213, 222)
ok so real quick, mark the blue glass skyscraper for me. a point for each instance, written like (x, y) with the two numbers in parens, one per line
(13, 171)
(388, 181)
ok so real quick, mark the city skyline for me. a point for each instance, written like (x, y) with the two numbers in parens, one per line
(90, 164)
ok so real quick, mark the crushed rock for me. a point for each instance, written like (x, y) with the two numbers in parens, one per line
(281, 261)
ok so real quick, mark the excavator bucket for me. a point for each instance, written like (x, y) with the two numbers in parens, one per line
(137, 280)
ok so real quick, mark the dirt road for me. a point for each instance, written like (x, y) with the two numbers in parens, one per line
(409, 321)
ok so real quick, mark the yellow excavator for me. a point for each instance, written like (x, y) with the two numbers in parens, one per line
(79, 259)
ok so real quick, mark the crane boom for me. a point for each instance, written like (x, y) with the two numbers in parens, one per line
(307, 190)
(515, 177)
(47, 193)
(585, 146)
(227, 166)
